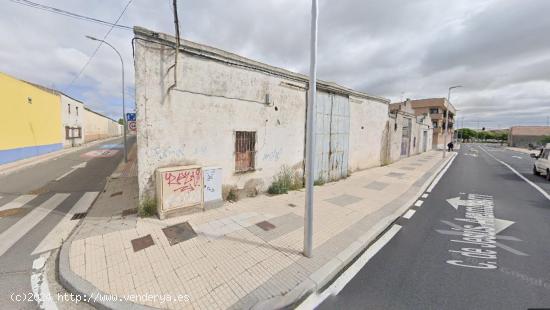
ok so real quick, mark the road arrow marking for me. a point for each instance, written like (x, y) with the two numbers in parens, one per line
(501, 225)
(73, 168)
(456, 201)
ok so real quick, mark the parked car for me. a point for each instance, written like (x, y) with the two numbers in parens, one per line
(542, 163)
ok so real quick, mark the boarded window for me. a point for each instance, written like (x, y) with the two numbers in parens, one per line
(245, 145)
(67, 132)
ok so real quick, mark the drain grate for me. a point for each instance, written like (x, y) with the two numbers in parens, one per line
(265, 225)
(78, 216)
(129, 212)
(116, 194)
(142, 243)
(179, 233)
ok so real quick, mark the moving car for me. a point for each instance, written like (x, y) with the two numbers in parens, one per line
(542, 164)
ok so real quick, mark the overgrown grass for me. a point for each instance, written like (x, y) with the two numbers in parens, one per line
(319, 182)
(286, 180)
(148, 207)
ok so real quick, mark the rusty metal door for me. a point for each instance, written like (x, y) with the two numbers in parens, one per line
(332, 137)
(406, 137)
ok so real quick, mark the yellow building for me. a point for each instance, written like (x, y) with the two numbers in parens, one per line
(30, 120)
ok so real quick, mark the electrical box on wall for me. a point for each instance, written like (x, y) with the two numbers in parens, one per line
(179, 189)
(212, 186)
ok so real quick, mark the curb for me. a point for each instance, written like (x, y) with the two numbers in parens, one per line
(321, 278)
(315, 282)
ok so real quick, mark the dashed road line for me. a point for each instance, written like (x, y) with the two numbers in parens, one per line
(418, 203)
(425, 196)
(316, 299)
(409, 214)
(441, 174)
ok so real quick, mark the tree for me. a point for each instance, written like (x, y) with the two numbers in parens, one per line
(121, 121)
(544, 140)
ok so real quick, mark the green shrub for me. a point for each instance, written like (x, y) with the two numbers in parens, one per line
(148, 207)
(319, 182)
(287, 179)
(232, 194)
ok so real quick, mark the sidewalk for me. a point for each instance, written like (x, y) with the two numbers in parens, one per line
(242, 255)
(31, 161)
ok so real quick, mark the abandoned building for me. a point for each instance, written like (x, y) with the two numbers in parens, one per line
(199, 105)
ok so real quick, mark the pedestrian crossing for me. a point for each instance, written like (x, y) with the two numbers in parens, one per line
(17, 202)
(60, 232)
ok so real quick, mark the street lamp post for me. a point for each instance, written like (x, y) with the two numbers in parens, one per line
(123, 104)
(310, 135)
(447, 120)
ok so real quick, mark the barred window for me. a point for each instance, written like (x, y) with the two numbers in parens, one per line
(245, 150)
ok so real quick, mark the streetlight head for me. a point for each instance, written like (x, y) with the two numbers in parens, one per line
(457, 86)
(92, 38)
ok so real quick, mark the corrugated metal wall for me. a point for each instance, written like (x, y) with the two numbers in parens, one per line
(332, 136)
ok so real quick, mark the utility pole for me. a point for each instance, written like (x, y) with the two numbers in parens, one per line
(310, 135)
(446, 125)
(123, 104)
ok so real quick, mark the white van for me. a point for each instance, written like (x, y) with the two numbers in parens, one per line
(542, 163)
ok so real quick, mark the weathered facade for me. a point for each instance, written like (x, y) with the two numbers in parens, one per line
(523, 136)
(436, 108)
(72, 118)
(98, 126)
(408, 133)
(244, 116)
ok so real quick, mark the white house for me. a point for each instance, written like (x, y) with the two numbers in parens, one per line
(248, 118)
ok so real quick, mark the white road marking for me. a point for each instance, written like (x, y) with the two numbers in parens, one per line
(17, 202)
(39, 284)
(316, 299)
(544, 193)
(418, 203)
(424, 196)
(73, 168)
(61, 231)
(409, 214)
(16, 231)
(518, 157)
(501, 225)
(440, 175)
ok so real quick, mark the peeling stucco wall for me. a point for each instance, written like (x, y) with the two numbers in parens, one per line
(219, 93)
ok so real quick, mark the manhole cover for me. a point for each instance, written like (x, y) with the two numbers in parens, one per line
(78, 216)
(179, 233)
(129, 212)
(11, 212)
(142, 243)
(265, 225)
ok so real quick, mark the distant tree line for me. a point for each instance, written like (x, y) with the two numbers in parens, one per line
(471, 134)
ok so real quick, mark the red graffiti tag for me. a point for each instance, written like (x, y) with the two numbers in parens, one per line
(184, 181)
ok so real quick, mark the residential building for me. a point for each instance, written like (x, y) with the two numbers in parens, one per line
(523, 136)
(436, 109)
(409, 134)
(246, 117)
(98, 126)
(72, 117)
(30, 120)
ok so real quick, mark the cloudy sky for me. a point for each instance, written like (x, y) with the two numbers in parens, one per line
(498, 49)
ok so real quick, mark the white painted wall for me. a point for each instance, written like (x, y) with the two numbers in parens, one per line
(367, 125)
(72, 115)
(97, 126)
(218, 93)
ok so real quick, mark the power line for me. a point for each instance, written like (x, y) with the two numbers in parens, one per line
(99, 45)
(68, 14)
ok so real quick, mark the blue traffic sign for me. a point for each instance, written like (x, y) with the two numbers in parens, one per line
(131, 117)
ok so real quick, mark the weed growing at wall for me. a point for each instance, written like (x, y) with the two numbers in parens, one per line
(148, 207)
(286, 180)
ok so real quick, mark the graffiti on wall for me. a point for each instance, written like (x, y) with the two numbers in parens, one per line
(181, 188)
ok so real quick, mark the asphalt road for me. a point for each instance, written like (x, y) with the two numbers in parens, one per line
(491, 252)
(35, 200)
